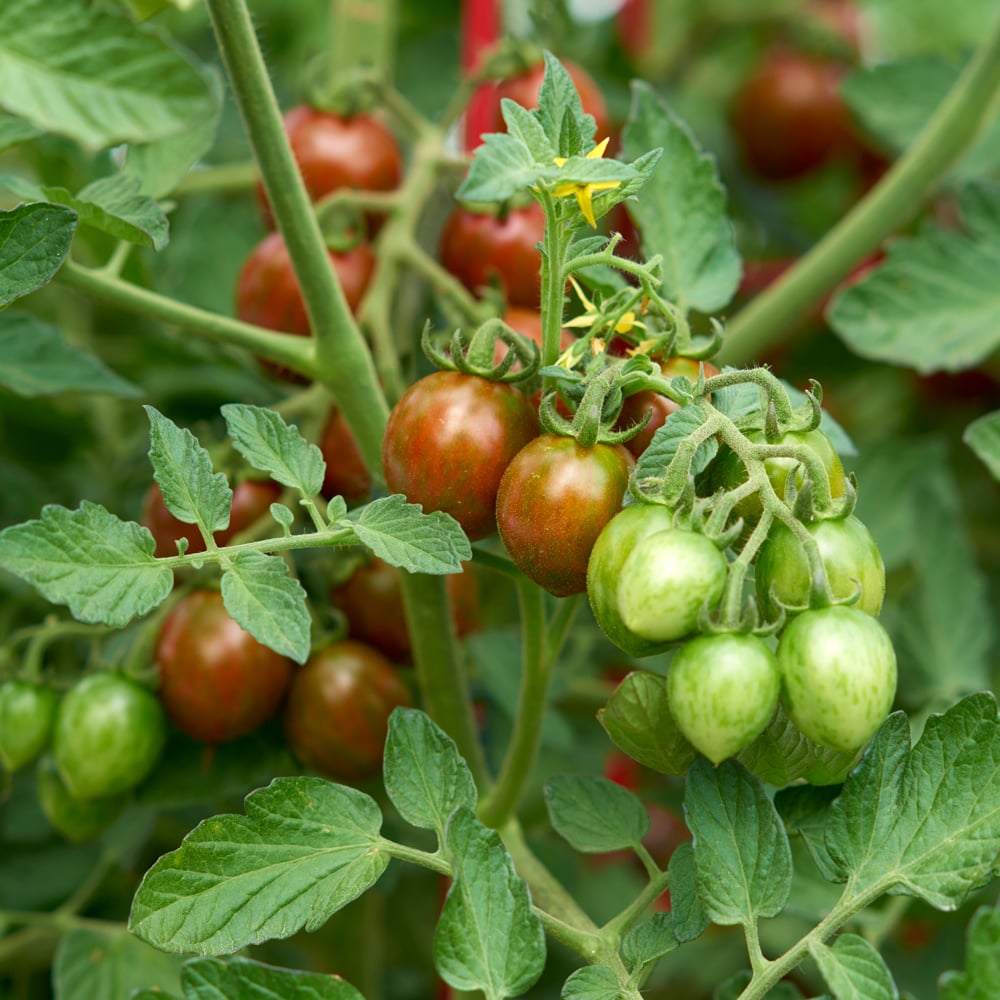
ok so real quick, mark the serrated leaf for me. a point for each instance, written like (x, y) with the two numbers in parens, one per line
(983, 437)
(738, 401)
(981, 979)
(689, 918)
(263, 438)
(853, 969)
(502, 167)
(595, 815)
(264, 600)
(743, 858)
(637, 717)
(488, 937)
(402, 535)
(100, 567)
(932, 304)
(592, 982)
(648, 942)
(525, 126)
(805, 811)
(304, 849)
(425, 776)
(682, 212)
(110, 965)
(666, 442)
(192, 491)
(238, 978)
(36, 361)
(14, 131)
(34, 241)
(558, 101)
(90, 73)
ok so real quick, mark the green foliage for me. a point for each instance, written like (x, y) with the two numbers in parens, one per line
(648, 942)
(236, 978)
(983, 437)
(854, 970)
(595, 815)
(593, 982)
(666, 442)
(981, 979)
(34, 241)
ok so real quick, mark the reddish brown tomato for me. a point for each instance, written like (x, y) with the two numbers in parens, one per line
(479, 248)
(251, 500)
(347, 475)
(449, 440)
(338, 708)
(554, 499)
(217, 681)
(372, 600)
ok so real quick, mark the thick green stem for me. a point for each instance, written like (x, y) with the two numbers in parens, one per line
(891, 203)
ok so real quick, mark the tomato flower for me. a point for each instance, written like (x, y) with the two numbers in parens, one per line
(584, 193)
(592, 317)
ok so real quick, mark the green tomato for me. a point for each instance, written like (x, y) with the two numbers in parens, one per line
(624, 533)
(665, 582)
(838, 675)
(849, 555)
(26, 714)
(109, 734)
(76, 820)
(723, 691)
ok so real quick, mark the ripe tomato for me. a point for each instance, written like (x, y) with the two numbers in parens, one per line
(337, 714)
(252, 499)
(26, 714)
(76, 820)
(372, 600)
(849, 554)
(448, 441)
(334, 152)
(666, 580)
(108, 735)
(838, 675)
(555, 498)
(481, 247)
(723, 690)
(217, 681)
(347, 475)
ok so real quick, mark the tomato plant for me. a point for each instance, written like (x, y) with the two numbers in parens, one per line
(76, 820)
(347, 475)
(26, 714)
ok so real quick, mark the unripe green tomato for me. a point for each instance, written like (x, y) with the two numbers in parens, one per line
(723, 690)
(76, 820)
(666, 581)
(109, 734)
(26, 714)
(849, 555)
(838, 676)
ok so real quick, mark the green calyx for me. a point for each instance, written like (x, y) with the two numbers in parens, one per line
(481, 354)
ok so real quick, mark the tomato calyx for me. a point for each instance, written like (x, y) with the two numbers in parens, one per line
(518, 357)
(595, 414)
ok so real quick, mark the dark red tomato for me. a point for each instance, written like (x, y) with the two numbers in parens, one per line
(217, 681)
(636, 406)
(252, 499)
(554, 499)
(372, 600)
(338, 709)
(334, 152)
(347, 475)
(623, 770)
(789, 117)
(449, 440)
(480, 248)
(528, 322)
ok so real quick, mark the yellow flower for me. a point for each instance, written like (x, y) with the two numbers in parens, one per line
(625, 323)
(584, 193)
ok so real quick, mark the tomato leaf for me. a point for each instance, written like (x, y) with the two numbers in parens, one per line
(215, 979)
(558, 101)
(805, 811)
(425, 776)
(502, 167)
(646, 943)
(525, 126)
(36, 361)
(14, 131)
(689, 919)
(402, 535)
(261, 597)
(304, 849)
(677, 428)
(263, 438)
(34, 241)
(595, 815)
(682, 213)
(982, 976)
(592, 982)
(488, 937)
(100, 567)
(742, 854)
(983, 437)
(853, 969)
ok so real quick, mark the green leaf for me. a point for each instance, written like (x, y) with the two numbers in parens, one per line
(34, 241)
(110, 965)
(305, 848)
(90, 73)
(646, 943)
(689, 918)
(981, 980)
(238, 978)
(425, 776)
(932, 304)
(637, 718)
(262, 598)
(595, 815)
(502, 167)
(682, 212)
(14, 131)
(805, 811)
(36, 361)
(667, 441)
(488, 937)
(742, 854)
(738, 401)
(592, 982)
(924, 822)
(192, 492)
(853, 969)
(402, 535)
(526, 127)
(558, 101)
(100, 567)
(983, 437)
